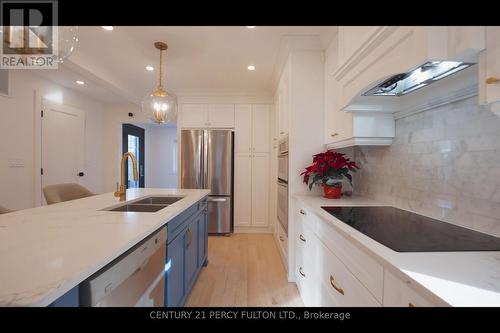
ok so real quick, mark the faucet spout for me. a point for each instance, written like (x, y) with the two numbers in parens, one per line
(121, 190)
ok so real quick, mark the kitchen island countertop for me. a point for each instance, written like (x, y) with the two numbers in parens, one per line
(46, 251)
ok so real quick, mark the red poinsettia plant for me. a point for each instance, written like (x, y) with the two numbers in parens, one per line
(329, 168)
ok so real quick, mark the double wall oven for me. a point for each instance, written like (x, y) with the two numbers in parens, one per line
(282, 206)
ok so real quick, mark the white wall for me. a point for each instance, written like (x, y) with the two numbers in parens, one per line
(161, 156)
(18, 138)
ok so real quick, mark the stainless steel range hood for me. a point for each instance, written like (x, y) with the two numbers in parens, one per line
(422, 76)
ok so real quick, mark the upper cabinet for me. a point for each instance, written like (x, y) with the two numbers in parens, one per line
(221, 115)
(370, 55)
(252, 128)
(368, 58)
(489, 69)
(207, 115)
(283, 102)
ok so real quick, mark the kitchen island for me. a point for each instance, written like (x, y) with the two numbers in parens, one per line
(45, 252)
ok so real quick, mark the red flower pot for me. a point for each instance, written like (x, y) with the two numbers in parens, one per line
(332, 192)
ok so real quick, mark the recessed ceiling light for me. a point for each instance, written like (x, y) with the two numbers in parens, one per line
(108, 27)
(251, 26)
(80, 82)
(150, 68)
(251, 68)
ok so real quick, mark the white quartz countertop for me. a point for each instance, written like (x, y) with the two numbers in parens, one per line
(449, 278)
(46, 251)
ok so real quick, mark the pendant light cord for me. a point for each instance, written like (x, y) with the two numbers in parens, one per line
(161, 68)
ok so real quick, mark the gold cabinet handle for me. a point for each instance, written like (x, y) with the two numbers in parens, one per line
(282, 239)
(301, 272)
(301, 237)
(411, 305)
(282, 132)
(334, 285)
(302, 212)
(334, 134)
(190, 237)
(492, 80)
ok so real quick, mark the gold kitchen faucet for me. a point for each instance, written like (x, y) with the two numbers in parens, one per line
(121, 190)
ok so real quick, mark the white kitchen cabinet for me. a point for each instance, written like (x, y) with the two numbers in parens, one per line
(194, 115)
(332, 271)
(260, 128)
(284, 102)
(243, 128)
(243, 189)
(252, 128)
(401, 294)
(345, 288)
(323, 279)
(251, 190)
(260, 189)
(352, 39)
(252, 167)
(489, 68)
(207, 115)
(221, 115)
(368, 55)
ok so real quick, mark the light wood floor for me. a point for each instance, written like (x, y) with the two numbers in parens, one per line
(243, 270)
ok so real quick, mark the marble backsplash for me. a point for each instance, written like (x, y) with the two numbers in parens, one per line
(444, 163)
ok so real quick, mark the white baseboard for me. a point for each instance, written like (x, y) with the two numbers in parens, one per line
(252, 230)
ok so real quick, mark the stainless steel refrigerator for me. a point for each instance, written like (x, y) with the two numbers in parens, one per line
(207, 163)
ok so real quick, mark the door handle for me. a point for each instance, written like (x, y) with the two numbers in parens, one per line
(302, 238)
(217, 199)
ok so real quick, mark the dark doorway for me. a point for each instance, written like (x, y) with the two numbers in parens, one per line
(133, 141)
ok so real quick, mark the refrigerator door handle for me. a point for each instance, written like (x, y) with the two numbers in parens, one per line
(217, 199)
(205, 159)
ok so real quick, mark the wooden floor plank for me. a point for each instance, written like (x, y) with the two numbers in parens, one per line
(243, 270)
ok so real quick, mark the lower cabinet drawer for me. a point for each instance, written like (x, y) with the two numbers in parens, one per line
(400, 293)
(343, 287)
(307, 285)
(364, 267)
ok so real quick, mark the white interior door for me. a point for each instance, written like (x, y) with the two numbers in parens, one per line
(63, 144)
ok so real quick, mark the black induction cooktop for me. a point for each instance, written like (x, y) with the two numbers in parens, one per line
(404, 231)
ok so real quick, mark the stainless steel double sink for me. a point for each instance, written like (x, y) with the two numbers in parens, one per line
(146, 205)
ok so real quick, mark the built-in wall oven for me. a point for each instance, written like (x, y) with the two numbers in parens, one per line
(282, 206)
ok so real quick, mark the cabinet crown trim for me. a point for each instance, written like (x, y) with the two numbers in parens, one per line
(368, 46)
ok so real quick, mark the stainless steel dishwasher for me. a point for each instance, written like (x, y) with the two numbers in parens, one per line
(136, 278)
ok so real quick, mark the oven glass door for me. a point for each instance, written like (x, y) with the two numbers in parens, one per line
(283, 205)
(283, 167)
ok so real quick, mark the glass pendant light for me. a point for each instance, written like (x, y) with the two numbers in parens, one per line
(159, 105)
(67, 40)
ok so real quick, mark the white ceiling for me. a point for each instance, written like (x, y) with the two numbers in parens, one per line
(199, 60)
